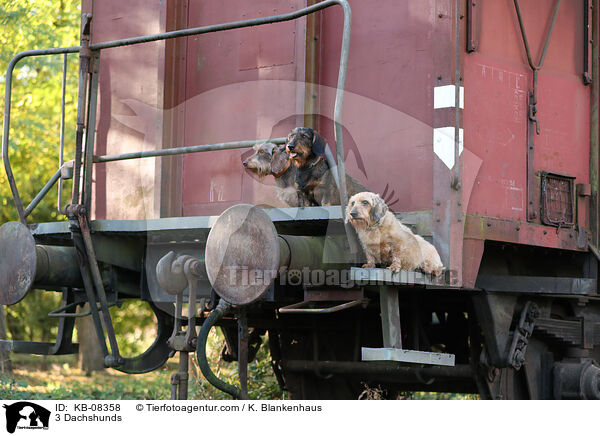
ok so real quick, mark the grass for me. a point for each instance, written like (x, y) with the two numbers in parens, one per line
(59, 378)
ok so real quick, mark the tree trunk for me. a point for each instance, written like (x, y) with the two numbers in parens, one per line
(90, 352)
(5, 363)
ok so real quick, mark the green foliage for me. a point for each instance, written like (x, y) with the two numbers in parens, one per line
(29, 319)
(437, 396)
(36, 96)
(135, 325)
(35, 122)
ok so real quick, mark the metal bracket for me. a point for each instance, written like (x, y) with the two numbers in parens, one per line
(175, 274)
(301, 307)
(473, 7)
(312, 297)
(521, 335)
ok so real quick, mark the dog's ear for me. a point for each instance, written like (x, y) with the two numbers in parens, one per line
(279, 160)
(269, 147)
(379, 209)
(319, 144)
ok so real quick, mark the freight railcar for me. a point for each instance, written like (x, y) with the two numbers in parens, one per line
(476, 120)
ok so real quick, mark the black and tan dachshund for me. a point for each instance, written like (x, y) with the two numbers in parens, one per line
(314, 177)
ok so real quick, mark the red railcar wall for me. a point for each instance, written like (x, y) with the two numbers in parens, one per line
(392, 64)
(238, 85)
(497, 79)
(249, 83)
(130, 96)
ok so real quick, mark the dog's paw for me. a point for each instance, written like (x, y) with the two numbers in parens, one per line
(369, 265)
(396, 267)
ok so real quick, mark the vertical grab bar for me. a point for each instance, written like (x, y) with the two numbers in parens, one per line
(61, 156)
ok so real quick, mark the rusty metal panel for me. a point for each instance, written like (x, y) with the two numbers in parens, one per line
(497, 79)
(496, 229)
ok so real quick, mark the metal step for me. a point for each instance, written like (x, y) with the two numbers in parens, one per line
(384, 276)
(408, 356)
(392, 334)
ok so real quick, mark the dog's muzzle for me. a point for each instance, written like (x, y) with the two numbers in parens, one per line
(354, 213)
(291, 147)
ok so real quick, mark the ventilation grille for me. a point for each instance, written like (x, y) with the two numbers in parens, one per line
(558, 206)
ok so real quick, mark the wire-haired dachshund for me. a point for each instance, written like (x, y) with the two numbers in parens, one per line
(386, 240)
(314, 178)
(272, 160)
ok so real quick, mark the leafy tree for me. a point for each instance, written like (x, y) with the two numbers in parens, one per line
(34, 146)
(34, 133)
(36, 96)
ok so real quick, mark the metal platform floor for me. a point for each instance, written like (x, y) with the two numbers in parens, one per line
(290, 221)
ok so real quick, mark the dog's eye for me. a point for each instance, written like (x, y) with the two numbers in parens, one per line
(365, 203)
(352, 204)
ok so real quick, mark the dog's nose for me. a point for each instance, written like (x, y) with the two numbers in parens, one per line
(354, 213)
(291, 147)
(245, 163)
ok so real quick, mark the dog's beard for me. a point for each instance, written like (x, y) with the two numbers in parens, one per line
(358, 223)
(260, 169)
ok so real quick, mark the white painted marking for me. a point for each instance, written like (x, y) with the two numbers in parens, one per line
(443, 144)
(443, 96)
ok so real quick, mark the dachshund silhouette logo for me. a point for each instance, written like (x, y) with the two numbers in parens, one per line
(24, 414)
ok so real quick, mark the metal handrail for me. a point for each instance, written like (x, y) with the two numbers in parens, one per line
(6, 123)
(187, 149)
(181, 150)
